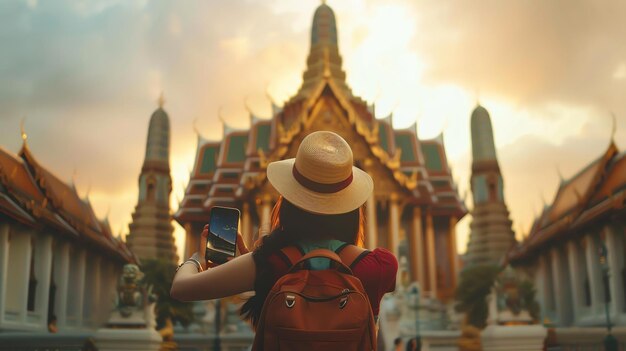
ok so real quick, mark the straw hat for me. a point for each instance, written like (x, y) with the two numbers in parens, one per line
(321, 179)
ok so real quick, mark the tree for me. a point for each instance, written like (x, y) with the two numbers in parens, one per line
(471, 294)
(159, 274)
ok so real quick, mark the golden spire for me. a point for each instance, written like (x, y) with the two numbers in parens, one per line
(22, 131)
(161, 100)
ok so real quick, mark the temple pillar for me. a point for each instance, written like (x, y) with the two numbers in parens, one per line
(371, 241)
(43, 265)
(430, 253)
(266, 210)
(561, 290)
(594, 274)
(4, 263)
(246, 225)
(394, 225)
(454, 259)
(61, 278)
(615, 257)
(575, 285)
(416, 247)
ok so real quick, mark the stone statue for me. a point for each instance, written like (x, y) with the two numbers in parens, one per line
(132, 292)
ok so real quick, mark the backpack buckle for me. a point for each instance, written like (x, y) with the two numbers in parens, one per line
(343, 302)
(290, 300)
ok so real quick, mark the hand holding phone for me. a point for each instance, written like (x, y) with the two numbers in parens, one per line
(222, 236)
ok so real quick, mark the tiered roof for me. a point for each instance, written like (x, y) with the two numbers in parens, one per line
(596, 192)
(227, 170)
(32, 195)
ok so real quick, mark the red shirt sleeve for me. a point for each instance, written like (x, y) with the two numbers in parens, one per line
(377, 272)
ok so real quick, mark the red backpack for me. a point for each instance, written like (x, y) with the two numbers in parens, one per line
(317, 309)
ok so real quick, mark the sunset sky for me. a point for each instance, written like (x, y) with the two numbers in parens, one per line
(85, 77)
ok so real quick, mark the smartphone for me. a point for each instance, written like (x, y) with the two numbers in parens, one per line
(222, 240)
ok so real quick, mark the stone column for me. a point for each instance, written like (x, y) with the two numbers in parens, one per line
(453, 253)
(416, 248)
(430, 253)
(266, 211)
(61, 278)
(540, 283)
(561, 290)
(96, 291)
(394, 224)
(594, 274)
(4, 263)
(575, 285)
(615, 257)
(246, 225)
(80, 293)
(371, 241)
(43, 265)
(21, 248)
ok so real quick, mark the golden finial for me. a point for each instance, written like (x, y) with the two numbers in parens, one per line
(246, 105)
(219, 115)
(22, 131)
(614, 126)
(323, 2)
(195, 127)
(161, 100)
(558, 171)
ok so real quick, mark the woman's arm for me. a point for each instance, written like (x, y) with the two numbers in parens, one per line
(231, 278)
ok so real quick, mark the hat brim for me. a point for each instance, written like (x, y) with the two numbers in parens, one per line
(280, 175)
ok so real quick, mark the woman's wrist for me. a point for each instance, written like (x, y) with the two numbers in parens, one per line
(194, 260)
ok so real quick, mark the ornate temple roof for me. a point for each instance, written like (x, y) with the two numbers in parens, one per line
(33, 195)
(226, 171)
(595, 192)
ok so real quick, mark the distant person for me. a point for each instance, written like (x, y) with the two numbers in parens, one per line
(319, 211)
(414, 344)
(52, 324)
(397, 344)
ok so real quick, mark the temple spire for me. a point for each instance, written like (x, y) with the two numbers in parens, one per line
(491, 234)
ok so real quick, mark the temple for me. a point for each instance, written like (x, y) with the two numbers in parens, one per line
(491, 236)
(415, 202)
(58, 263)
(575, 252)
(151, 230)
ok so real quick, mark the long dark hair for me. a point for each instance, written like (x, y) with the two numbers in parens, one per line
(290, 225)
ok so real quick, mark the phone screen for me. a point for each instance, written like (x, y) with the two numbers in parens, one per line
(222, 240)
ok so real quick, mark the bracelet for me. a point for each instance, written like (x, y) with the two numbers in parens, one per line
(191, 260)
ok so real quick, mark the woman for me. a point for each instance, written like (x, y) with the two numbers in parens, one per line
(320, 206)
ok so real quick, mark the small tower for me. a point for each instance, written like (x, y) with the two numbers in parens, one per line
(491, 235)
(151, 231)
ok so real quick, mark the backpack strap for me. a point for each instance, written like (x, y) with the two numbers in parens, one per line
(350, 254)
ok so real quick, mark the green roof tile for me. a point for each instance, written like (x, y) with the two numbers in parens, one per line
(408, 151)
(432, 156)
(209, 159)
(263, 137)
(237, 148)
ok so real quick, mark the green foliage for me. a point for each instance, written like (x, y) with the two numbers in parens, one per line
(527, 293)
(159, 274)
(471, 294)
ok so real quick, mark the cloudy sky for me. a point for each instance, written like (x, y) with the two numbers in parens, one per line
(85, 77)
